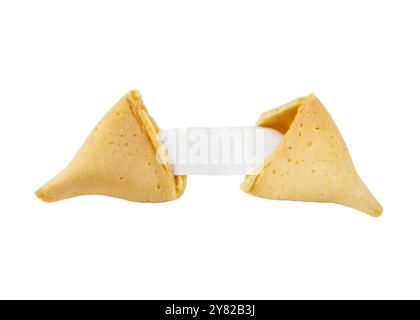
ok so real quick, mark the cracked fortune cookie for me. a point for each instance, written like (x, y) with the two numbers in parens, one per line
(118, 159)
(311, 162)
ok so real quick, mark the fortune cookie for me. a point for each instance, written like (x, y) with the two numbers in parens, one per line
(118, 159)
(311, 162)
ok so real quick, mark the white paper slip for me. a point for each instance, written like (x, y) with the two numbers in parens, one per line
(218, 151)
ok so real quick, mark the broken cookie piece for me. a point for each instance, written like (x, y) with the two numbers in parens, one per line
(118, 159)
(311, 162)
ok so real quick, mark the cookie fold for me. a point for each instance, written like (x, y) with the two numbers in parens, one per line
(311, 162)
(118, 159)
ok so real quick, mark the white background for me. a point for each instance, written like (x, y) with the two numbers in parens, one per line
(63, 64)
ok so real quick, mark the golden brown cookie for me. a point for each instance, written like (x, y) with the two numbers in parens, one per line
(311, 162)
(118, 159)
